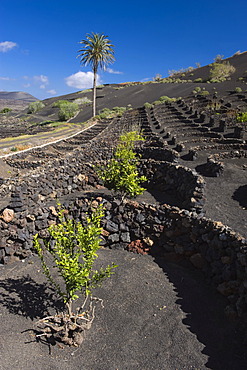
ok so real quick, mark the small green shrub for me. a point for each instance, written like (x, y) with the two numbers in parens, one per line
(73, 247)
(238, 90)
(60, 103)
(242, 117)
(148, 105)
(164, 99)
(220, 71)
(6, 110)
(121, 174)
(107, 113)
(198, 80)
(196, 90)
(35, 107)
(204, 93)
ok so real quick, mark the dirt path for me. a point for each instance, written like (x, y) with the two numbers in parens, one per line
(39, 139)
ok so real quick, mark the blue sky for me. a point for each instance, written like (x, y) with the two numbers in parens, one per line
(39, 40)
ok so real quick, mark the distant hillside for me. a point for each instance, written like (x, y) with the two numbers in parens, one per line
(134, 94)
(17, 95)
(15, 100)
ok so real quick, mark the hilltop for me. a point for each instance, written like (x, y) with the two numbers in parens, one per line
(17, 95)
(15, 100)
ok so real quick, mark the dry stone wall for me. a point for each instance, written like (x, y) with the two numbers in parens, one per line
(210, 246)
(186, 183)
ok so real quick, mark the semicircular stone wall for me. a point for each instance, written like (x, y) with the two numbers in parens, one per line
(210, 246)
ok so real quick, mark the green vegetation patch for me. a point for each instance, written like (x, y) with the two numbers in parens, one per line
(242, 117)
(67, 109)
(35, 107)
(107, 113)
(121, 174)
(72, 247)
(238, 90)
(6, 110)
(221, 71)
(198, 80)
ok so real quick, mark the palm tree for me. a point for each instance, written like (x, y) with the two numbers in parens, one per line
(98, 52)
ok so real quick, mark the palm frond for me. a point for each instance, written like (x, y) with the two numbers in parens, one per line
(97, 51)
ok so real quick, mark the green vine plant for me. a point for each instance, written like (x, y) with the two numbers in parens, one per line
(121, 173)
(73, 250)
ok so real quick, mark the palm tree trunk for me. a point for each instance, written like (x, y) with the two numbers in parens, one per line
(94, 90)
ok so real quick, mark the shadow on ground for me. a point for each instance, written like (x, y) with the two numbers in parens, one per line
(204, 310)
(240, 195)
(156, 196)
(24, 296)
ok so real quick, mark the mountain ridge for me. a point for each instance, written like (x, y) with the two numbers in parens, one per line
(17, 95)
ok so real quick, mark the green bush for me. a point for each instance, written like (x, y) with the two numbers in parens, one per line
(148, 105)
(204, 93)
(73, 248)
(107, 113)
(242, 117)
(6, 110)
(121, 174)
(238, 90)
(35, 107)
(60, 103)
(220, 71)
(197, 90)
(198, 80)
(67, 110)
(164, 99)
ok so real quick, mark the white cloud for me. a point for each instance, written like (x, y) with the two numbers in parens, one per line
(26, 85)
(81, 80)
(5, 78)
(52, 92)
(110, 70)
(43, 79)
(6, 46)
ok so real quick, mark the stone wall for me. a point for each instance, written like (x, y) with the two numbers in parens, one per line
(70, 175)
(184, 182)
(210, 246)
